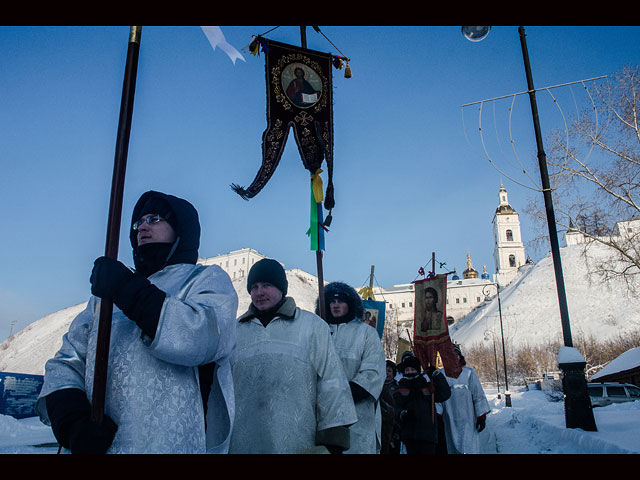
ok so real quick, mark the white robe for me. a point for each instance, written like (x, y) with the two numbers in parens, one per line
(360, 349)
(153, 391)
(289, 384)
(467, 402)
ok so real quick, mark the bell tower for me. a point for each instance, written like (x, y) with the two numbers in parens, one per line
(508, 250)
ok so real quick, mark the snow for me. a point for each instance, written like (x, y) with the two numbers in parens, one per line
(532, 425)
(569, 355)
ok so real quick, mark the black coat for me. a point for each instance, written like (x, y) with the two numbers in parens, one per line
(414, 406)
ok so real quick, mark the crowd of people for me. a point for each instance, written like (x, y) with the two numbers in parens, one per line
(187, 375)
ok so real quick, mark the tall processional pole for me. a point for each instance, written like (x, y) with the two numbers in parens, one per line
(114, 220)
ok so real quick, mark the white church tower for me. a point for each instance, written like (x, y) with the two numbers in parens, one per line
(508, 252)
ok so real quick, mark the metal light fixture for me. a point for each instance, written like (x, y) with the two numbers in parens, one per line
(475, 34)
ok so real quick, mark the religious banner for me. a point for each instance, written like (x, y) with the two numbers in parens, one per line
(299, 97)
(374, 314)
(430, 329)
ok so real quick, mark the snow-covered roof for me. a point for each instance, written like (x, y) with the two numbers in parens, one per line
(626, 361)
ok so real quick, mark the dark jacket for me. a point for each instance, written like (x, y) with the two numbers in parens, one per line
(414, 406)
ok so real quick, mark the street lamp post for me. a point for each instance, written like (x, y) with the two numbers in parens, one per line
(495, 356)
(507, 394)
(578, 412)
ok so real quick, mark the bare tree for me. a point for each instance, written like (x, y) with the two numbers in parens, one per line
(594, 167)
(390, 333)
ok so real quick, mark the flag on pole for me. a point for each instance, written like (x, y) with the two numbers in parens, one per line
(216, 39)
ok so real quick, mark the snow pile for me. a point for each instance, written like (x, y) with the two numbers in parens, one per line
(536, 425)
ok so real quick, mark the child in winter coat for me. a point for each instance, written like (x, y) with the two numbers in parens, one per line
(414, 399)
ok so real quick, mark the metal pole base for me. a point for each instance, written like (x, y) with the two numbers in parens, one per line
(577, 405)
(507, 399)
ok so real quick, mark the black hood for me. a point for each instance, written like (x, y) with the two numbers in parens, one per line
(345, 293)
(185, 222)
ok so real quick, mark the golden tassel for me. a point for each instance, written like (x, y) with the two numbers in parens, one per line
(347, 71)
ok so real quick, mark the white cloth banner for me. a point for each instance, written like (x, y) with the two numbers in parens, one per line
(216, 39)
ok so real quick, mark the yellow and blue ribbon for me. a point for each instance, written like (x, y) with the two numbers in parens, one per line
(316, 220)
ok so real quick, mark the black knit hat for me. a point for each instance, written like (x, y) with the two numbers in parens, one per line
(410, 361)
(269, 271)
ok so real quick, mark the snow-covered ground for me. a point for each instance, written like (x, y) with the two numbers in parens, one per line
(532, 425)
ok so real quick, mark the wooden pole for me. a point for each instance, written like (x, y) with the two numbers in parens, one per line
(114, 220)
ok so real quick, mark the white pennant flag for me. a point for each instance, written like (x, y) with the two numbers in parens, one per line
(216, 39)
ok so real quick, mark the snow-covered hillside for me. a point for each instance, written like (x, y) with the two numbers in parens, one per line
(530, 311)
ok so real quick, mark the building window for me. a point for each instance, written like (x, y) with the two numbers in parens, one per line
(410, 304)
(512, 260)
(509, 236)
(457, 300)
(478, 299)
(464, 300)
(403, 305)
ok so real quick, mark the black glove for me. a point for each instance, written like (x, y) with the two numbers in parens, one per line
(133, 293)
(481, 422)
(108, 276)
(407, 416)
(70, 415)
(357, 392)
(429, 371)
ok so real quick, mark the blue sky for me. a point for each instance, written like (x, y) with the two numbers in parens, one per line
(410, 172)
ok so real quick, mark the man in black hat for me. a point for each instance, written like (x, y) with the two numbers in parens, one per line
(360, 350)
(291, 393)
(172, 332)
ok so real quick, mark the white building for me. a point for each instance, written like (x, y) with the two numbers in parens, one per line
(236, 263)
(624, 230)
(463, 295)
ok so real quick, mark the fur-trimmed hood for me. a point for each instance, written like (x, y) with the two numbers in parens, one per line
(347, 294)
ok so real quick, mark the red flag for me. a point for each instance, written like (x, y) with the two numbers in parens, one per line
(430, 328)
(421, 271)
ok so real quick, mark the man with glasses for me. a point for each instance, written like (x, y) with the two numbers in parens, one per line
(169, 387)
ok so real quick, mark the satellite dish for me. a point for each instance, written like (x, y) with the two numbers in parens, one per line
(475, 34)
